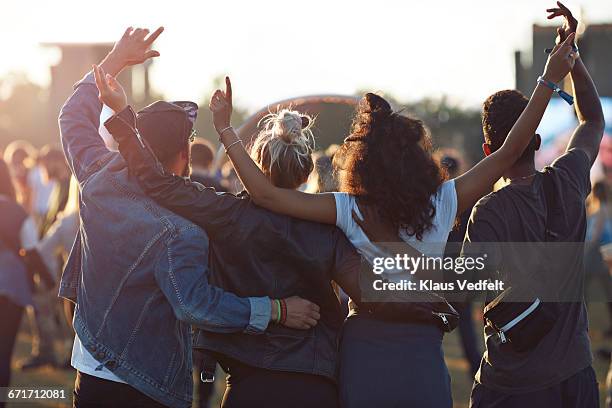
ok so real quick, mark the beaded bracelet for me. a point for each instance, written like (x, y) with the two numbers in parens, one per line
(283, 318)
(278, 311)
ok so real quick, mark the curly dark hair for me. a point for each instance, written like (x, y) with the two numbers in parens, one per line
(499, 114)
(387, 162)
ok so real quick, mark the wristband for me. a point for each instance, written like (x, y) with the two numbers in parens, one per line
(564, 95)
(224, 130)
(232, 144)
(278, 311)
(283, 318)
(574, 48)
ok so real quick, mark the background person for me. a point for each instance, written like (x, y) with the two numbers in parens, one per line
(20, 156)
(17, 231)
(599, 234)
(202, 159)
(48, 326)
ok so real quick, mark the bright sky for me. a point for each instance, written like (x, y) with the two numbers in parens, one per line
(274, 49)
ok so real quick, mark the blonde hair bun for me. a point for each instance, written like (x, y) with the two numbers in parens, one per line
(285, 141)
(288, 125)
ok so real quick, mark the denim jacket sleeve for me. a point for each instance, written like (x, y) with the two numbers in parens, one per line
(212, 211)
(182, 275)
(79, 120)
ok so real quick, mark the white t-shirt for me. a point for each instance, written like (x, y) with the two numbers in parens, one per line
(83, 361)
(434, 239)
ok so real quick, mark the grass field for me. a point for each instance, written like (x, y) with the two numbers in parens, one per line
(461, 384)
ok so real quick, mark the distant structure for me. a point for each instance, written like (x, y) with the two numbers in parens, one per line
(595, 46)
(77, 59)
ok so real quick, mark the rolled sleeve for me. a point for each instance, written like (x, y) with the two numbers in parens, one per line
(261, 311)
(87, 79)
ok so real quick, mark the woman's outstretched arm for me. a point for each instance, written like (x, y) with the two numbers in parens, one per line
(478, 181)
(311, 207)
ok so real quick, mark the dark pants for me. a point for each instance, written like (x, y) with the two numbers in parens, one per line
(204, 390)
(578, 391)
(9, 325)
(94, 392)
(256, 387)
(389, 364)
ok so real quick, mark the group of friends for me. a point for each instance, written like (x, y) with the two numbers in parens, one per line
(163, 265)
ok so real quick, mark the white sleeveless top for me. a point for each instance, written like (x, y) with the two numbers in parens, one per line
(434, 239)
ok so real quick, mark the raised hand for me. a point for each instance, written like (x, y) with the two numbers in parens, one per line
(110, 91)
(561, 60)
(221, 106)
(301, 313)
(132, 48)
(570, 25)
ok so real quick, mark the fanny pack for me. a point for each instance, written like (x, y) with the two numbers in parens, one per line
(424, 307)
(523, 324)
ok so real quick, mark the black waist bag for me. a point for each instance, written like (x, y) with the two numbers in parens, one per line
(523, 324)
(423, 307)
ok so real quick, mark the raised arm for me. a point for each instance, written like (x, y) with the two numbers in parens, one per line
(312, 207)
(478, 181)
(80, 116)
(589, 132)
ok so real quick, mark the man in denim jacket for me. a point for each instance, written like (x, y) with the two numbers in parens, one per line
(137, 272)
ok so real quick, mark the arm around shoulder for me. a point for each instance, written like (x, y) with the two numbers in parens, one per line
(182, 275)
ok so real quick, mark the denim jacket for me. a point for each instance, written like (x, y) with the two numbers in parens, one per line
(284, 256)
(137, 272)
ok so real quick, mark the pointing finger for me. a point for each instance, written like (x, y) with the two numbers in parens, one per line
(228, 89)
(563, 7)
(154, 35)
